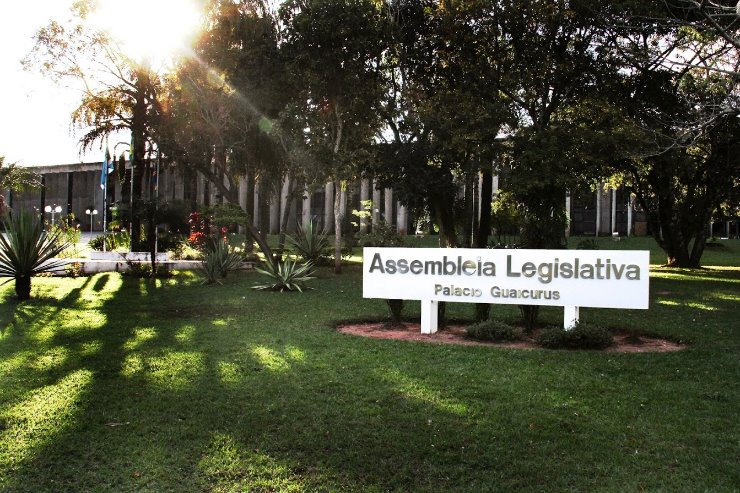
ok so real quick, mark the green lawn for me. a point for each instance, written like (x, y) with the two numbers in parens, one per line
(118, 384)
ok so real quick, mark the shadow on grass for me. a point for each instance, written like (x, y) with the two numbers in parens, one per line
(191, 389)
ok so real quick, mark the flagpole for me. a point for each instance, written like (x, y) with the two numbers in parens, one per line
(105, 209)
(131, 210)
(104, 180)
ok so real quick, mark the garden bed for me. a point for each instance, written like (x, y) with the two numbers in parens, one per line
(456, 334)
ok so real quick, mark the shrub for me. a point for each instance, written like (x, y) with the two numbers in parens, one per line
(383, 235)
(582, 336)
(714, 244)
(311, 246)
(75, 269)
(494, 330)
(113, 241)
(184, 251)
(588, 244)
(67, 228)
(218, 260)
(27, 250)
(285, 276)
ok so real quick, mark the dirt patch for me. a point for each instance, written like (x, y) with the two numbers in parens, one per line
(455, 334)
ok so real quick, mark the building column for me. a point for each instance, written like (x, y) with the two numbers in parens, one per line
(495, 185)
(284, 192)
(199, 189)
(567, 213)
(376, 204)
(364, 197)
(329, 207)
(629, 215)
(388, 210)
(306, 208)
(179, 186)
(256, 211)
(598, 210)
(275, 214)
(401, 219)
(243, 193)
(614, 211)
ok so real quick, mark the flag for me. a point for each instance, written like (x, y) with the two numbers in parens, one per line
(107, 168)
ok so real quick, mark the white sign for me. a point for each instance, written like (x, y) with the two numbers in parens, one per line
(570, 278)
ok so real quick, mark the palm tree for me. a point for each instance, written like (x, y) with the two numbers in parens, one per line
(26, 250)
(14, 178)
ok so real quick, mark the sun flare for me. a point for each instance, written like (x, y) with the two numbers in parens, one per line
(151, 31)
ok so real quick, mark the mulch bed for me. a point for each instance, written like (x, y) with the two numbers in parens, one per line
(455, 334)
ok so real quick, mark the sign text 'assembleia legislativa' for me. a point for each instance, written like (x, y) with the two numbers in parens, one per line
(610, 279)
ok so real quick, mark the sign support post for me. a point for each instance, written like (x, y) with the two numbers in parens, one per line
(429, 316)
(570, 317)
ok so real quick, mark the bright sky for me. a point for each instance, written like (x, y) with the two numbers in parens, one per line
(34, 113)
(35, 121)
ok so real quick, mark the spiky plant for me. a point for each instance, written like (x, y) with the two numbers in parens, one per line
(307, 243)
(27, 250)
(286, 276)
(218, 260)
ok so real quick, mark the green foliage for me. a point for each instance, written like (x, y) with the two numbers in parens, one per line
(494, 330)
(218, 260)
(13, 177)
(310, 245)
(139, 270)
(582, 336)
(185, 251)
(285, 276)
(119, 240)
(227, 215)
(74, 269)
(587, 244)
(67, 228)
(363, 215)
(382, 235)
(27, 250)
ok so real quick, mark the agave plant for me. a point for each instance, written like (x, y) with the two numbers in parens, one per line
(311, 246)
(26, 250)
(218, 260)
(286, 276)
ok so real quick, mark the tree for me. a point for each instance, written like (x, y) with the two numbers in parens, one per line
(720, 17)
(334, 48)
(679, 93)
(14, 178)
(442, 112)
(222, 104)
(118, 93)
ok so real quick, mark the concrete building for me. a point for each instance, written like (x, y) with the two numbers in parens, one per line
(76, 188)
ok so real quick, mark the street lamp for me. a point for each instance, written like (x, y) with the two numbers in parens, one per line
(53, 210)
(91, 213)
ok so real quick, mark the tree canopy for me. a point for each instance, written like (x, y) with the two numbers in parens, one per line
(432, 97)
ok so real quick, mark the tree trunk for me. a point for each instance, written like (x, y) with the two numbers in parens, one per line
(445, 221)
(486, 198)
(338, 227)
(290, 196)
(483, 310)
(249, 180)
(23, 287)
(469, 201)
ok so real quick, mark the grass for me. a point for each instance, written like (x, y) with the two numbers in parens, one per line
(118, 384)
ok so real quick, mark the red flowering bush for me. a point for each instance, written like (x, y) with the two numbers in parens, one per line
(198, 230)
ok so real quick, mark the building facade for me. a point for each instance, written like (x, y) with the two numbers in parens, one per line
(76, 189)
